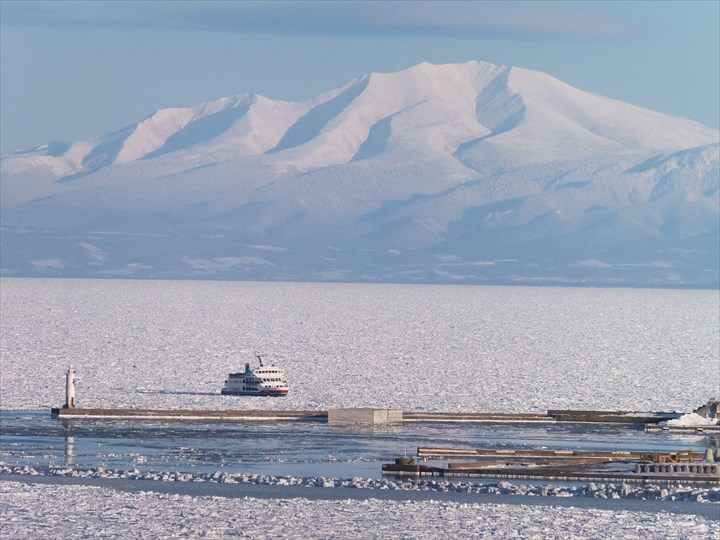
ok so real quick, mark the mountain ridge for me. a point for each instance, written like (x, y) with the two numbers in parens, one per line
(391, 166)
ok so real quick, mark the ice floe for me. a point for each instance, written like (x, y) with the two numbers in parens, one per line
(171, 344)
(596, 490)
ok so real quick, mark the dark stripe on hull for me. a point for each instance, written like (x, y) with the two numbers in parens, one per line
(265, 393)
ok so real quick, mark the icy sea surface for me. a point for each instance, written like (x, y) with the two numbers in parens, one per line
(171, 344)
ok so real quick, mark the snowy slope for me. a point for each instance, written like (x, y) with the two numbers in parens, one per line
(389, 177)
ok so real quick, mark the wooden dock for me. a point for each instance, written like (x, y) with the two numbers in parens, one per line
(564, 465)
(611, 455)
(562, 473)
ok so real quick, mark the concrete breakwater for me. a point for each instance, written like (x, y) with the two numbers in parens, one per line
(693, 468)
(365, 415)
(683, 429)
(187, 414)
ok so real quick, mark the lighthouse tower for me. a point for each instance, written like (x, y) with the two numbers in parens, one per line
(70, 389)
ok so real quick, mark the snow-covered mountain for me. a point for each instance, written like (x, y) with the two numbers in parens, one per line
(463, 172)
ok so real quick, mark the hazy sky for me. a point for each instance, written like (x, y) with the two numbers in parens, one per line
(74, 70)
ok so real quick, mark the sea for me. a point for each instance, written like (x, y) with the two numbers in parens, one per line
(171, 344)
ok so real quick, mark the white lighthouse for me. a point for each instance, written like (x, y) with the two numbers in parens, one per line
(70, 389)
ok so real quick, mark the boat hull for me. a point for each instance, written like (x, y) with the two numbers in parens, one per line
(281, 392)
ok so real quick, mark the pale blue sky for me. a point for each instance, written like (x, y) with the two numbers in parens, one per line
(73, 70)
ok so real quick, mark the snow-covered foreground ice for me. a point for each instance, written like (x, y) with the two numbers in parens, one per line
(171, 344)
(44, 511)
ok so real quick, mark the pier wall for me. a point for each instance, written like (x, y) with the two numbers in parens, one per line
(368, 415)
(189, 414)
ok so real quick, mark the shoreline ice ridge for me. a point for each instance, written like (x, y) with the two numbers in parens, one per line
(595, 490)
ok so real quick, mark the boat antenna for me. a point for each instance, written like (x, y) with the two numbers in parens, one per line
(260, 359)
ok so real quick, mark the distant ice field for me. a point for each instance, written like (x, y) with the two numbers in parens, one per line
(171, 344)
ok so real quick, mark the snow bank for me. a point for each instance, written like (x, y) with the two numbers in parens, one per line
(690, 420)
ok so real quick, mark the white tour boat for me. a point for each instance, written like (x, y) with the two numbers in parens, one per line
(257, 381)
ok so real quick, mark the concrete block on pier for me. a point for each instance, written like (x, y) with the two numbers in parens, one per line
(365, 416)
